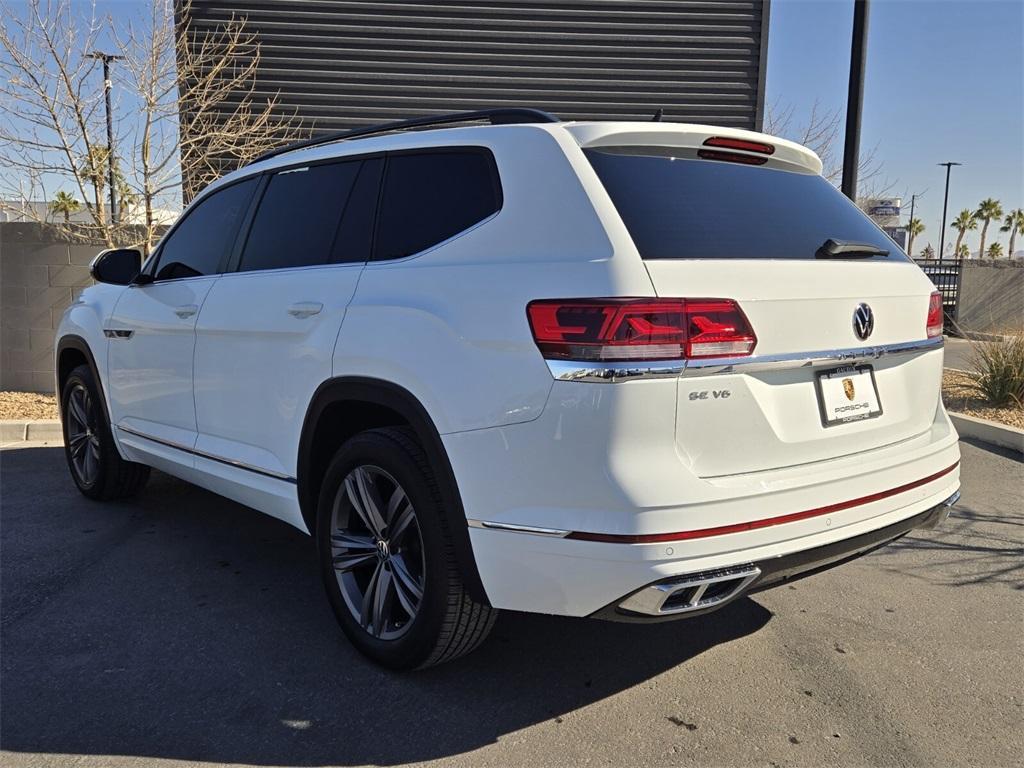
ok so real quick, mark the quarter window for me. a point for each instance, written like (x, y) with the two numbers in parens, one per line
(202, 240)
(432, 196)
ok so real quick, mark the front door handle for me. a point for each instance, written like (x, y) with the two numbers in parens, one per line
(303, 309)
(186, 311)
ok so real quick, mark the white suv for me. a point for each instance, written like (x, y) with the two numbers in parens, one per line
(624, 370)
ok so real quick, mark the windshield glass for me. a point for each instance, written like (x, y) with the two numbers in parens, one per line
(677, 206)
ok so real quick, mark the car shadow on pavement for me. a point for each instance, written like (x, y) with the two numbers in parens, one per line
(980, 543)
(180, 625)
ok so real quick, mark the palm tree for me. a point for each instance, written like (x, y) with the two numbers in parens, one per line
(914, 228)
(961, 224)
(988, 209)
(64, 202)
(1013, 223)
(995, 250)
(963, 251)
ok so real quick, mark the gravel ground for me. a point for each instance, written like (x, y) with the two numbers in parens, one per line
(25, 406)
(959, 397)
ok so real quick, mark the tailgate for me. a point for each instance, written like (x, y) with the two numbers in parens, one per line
(767, 411)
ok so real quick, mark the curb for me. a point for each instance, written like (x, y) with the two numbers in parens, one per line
(980, 336)
(14, 431)
(990, 432)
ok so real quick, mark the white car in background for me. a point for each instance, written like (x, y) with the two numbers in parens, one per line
(616, 369)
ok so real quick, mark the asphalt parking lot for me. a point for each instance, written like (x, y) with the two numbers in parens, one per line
(181, 628)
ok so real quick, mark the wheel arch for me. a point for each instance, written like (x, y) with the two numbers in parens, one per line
(72, 351)
(386, 404)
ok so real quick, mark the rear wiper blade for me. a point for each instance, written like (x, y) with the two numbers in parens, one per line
(832, 249)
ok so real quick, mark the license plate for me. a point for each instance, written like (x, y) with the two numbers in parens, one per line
(847, 394)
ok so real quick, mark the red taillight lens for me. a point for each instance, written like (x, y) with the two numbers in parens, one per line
(934, 322)
(639, 329)
(727, 142)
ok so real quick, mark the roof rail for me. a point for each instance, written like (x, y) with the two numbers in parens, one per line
(494, 116)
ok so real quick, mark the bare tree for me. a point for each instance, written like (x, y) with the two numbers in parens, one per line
(200, 115)
(50, 120)
(192, 110)
(820, 133)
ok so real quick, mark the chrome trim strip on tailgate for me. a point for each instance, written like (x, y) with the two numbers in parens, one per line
(596, 371)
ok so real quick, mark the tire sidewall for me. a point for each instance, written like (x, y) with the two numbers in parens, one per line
(415, 646)
(83, 376)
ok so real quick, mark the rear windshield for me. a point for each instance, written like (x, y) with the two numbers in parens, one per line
(676, 206)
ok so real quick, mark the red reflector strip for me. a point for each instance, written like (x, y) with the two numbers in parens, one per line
(730, 157)
(730, 143)
(656, 538)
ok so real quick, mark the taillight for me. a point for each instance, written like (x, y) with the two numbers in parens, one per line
(934, 322)
(639, 329)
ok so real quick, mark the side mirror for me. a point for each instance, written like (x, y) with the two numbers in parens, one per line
(117, 266)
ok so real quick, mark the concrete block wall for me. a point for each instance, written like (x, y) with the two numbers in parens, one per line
(40, 275)
(992, 296)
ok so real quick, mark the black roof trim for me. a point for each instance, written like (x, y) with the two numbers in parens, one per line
(494, 116)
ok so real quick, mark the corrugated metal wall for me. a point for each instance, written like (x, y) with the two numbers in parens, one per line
(342, 64)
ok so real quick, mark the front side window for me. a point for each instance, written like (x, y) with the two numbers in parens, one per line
(299, 216)
(202, 240)
(677, 206)
(432, 196)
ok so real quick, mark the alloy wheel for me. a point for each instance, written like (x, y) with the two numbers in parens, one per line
(377, 552)
(83, 435)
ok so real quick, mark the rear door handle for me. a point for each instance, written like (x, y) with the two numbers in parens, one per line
(303, 309)
(186, 311)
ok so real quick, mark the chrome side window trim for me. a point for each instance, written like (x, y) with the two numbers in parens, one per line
(608, 373)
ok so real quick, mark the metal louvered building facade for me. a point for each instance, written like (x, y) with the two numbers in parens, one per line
(346, 63)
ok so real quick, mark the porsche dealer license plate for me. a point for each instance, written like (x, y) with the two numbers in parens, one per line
(848, 394)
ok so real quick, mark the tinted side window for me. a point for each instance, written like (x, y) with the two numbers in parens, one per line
(203, 238)
(298, 216)
(355, 234)
(431, 196)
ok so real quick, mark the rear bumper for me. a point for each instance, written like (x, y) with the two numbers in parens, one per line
(594, 500)
(649, 603)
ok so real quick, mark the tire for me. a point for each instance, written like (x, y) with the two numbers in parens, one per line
(369, 560)
(93, 460)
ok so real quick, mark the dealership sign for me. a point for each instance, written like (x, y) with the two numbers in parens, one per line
(884, 206)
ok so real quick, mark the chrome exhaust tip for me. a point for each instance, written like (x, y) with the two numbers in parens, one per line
(942, 511)
(692, 592)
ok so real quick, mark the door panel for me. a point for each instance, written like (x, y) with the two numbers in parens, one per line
(266, 335)
(260, 355)
(150, 368)
(152, 329)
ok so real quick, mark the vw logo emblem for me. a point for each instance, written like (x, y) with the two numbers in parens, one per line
(863, 321)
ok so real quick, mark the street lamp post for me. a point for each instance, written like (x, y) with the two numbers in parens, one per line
(106, 58)
(945, 204)
(855, 98)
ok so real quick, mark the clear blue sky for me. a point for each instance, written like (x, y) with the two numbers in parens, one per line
(945, 81)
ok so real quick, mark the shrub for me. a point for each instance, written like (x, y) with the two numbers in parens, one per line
(999, 367)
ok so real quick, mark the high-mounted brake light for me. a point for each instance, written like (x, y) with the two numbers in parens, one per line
(618, 330)
(726, 142)
(934, 322)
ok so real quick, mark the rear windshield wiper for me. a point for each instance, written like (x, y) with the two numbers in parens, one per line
(835, 249)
